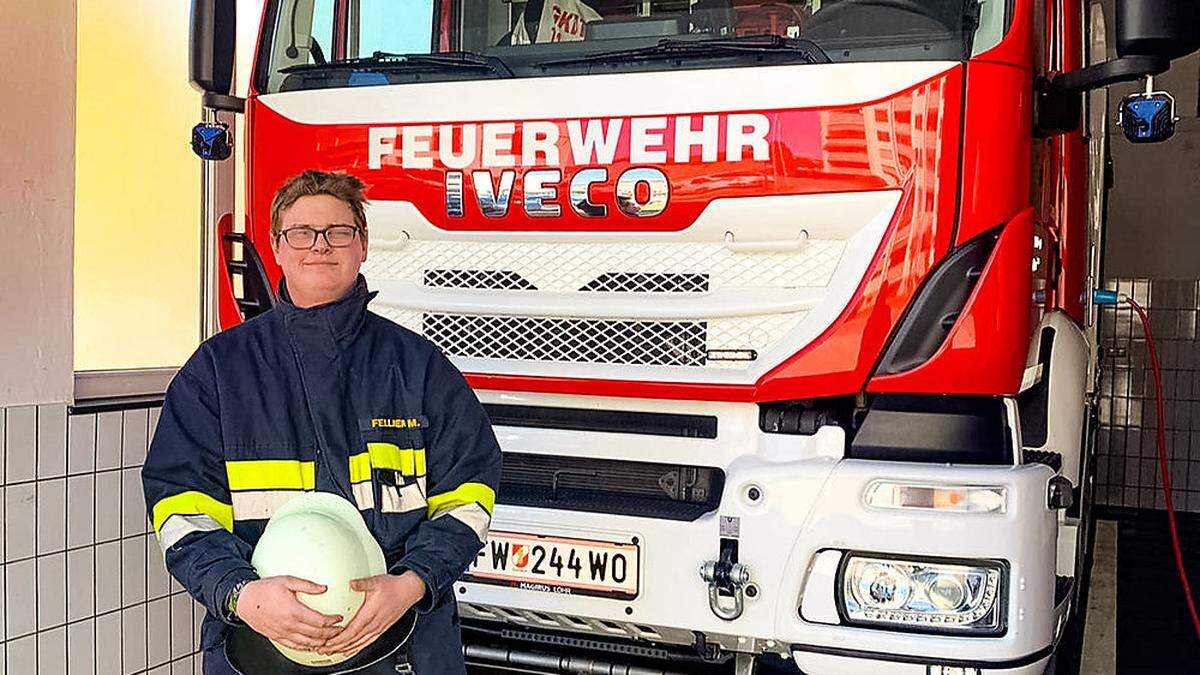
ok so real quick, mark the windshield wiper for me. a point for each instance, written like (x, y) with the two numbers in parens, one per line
(807, 50)
(387, 61)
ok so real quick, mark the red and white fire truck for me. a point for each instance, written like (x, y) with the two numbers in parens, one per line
(781, 310)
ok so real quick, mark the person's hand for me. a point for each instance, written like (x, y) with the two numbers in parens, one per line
(271, 608)
(388, 597)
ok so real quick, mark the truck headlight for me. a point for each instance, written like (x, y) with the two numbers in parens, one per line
(963, 597)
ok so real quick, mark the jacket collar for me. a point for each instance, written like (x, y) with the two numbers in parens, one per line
(344, 316)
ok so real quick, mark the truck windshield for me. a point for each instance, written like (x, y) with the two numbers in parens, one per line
(318, 44)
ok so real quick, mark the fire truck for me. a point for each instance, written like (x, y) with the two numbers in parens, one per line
(781, 310)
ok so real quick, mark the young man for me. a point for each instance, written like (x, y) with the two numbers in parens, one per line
(319, 393)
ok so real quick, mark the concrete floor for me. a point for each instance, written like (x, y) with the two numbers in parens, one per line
(1100, 633)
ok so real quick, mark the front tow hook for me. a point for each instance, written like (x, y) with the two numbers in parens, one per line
(730, 577)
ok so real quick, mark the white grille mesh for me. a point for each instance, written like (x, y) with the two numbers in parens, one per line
(570, 267)
(632, 343)
(466, 335)
(589, 268)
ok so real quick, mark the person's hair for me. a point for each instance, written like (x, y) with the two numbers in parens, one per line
(310, 183)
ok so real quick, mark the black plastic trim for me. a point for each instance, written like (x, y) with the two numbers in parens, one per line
(256, 286)
(262, 74)
(226, 102)
(616, 487)
(938, 429)
(611, 421)
(114, 404)
(931, 315)
(1034, 402)
(1017, 662)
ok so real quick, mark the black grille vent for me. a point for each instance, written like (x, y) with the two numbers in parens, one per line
(497, 280)
(640, 282)
(651, 490)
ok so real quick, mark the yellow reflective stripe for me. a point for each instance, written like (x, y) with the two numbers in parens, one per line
(271, 474)
(360, 467)
(467, 493)
(407, 461)
(192, 504)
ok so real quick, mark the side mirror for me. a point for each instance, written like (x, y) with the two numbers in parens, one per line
(1167, 29)
(1149, 33)
(211, 48)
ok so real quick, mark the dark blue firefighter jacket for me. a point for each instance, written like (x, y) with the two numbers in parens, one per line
(332, 398)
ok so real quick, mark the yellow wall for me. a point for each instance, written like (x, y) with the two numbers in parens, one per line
(137, 187)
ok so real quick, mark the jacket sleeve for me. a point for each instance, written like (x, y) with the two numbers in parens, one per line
(187, 494)
(464, 473)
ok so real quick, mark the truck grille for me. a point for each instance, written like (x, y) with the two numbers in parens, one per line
(588, 269)
(648, 489)
(641, 343)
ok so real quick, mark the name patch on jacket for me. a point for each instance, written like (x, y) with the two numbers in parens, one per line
(395, 423)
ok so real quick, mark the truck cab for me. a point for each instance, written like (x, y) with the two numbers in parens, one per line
(780, 309)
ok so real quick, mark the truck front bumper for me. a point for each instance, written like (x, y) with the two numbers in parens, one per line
(809, 501)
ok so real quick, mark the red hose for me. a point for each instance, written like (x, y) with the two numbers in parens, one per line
(1162, 462)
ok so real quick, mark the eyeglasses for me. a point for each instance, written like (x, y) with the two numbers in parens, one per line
(304, 237)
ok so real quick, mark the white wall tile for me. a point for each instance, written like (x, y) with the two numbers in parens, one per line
(81, 510)
(198, 613)
(108, 505)
(81, 584)
(20, 521)
(52, 515)
(133, 571)
(81, 648)
(20, 444)
(52, 440)
(133, 504)
(158, 632)
(3, 451)
(183, 667)
(182, 640)
(133, 644)
(81, 443)
(52, 650)
(108, 441)
(108, 575)
(22, 655)
(133, 446)
(158, 580)
(51, 590)
(20, 598)
(108, 644)
(155, 413)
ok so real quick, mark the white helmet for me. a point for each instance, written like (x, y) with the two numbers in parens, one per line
(322, 538)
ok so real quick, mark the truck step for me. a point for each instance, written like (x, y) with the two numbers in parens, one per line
(1050, 459)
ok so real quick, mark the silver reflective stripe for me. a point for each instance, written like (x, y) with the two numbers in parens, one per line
(179, 526)
(260, 504)
(402, 499)
(473, 516)
(364, 497)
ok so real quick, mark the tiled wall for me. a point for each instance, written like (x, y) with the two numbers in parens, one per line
(85, 588)
(1127, 455)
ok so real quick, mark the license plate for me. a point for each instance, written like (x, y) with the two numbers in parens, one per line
(558, 565)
